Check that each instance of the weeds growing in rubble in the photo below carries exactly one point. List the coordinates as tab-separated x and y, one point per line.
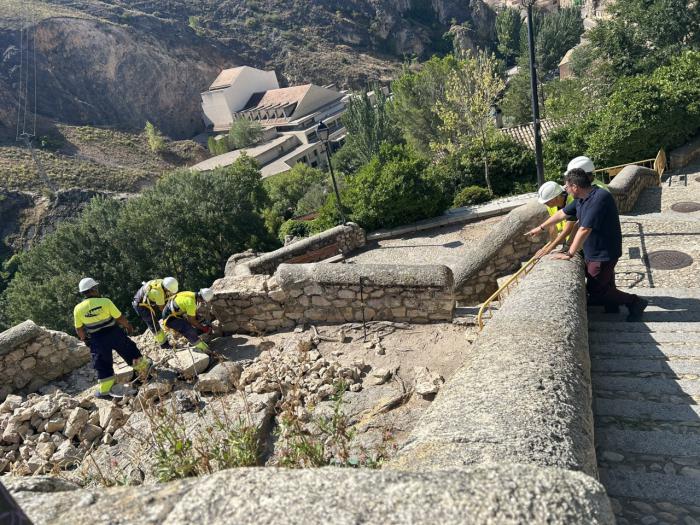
214	446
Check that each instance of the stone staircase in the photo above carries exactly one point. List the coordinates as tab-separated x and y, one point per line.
646	387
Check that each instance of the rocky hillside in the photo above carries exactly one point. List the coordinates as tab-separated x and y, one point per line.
120	62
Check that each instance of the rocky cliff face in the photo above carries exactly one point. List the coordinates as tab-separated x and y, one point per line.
103	63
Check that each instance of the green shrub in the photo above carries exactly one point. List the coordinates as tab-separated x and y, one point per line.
156	142
471	195
244	133
295	229
394	188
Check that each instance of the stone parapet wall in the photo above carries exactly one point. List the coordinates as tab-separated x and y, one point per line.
503	495
339	240
500	253
31	356
681	157
629	183
334	293
524	395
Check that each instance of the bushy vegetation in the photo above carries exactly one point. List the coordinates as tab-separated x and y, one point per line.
394	188
186	226
471	195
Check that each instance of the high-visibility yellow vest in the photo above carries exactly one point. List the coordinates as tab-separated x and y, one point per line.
95	313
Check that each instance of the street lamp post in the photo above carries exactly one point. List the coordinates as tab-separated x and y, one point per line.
323	134
533	92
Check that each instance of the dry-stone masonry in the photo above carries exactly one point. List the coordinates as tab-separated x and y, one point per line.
31	356
298	293
339	240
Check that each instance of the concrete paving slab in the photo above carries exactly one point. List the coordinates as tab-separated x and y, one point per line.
646	410
647	385
652	443
651	487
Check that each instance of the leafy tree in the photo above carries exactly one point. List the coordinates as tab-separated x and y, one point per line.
508	26
641	35
416	97
517	102
368	124
244	133
186	226
394	188
557	32
512	168
156	142
287	190
471	94
567	98
471	195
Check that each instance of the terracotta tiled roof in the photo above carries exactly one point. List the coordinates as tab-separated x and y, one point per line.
525	134
277	97
226	78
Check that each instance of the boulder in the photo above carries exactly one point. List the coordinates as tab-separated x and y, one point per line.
222	378
189	362
108	414
380	375
90	433
76	421
66	454
55	424
427	383
153	389
10	404
45	450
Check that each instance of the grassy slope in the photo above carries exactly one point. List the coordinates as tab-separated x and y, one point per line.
94	158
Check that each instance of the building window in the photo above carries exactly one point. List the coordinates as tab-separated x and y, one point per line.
314	164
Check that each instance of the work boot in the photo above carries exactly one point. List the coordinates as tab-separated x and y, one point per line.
637	309
612	308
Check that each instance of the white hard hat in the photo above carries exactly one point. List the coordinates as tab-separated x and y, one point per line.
207	294
170	284
548	191
581	162
88	283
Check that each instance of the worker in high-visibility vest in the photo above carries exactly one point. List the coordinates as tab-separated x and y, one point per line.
151	296
180	315
96	319
554	197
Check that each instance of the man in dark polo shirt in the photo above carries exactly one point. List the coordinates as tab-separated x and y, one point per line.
600	236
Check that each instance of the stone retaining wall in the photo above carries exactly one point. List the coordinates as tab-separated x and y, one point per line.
501	252
298	293
629	183
31	356
341	239
681	157
524	395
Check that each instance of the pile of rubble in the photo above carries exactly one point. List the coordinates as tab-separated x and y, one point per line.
41	433
297	366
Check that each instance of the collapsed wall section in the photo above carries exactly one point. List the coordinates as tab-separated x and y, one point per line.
31	356
334	293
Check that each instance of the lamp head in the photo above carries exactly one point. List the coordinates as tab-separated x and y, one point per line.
323	132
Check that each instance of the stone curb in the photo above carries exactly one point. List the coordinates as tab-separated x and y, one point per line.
17	335
454	216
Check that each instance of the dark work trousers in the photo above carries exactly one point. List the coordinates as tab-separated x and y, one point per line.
146	316
183	328
101	345
600	284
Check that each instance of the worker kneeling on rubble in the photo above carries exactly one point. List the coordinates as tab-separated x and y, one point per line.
96	319
180	315
154	294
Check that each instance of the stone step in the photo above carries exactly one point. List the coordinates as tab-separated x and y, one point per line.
644	486
643	327
650	315
646	410
637	366
654	443
647	385
638	337
644	350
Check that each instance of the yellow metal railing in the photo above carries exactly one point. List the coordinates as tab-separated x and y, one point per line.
486	310
658	164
